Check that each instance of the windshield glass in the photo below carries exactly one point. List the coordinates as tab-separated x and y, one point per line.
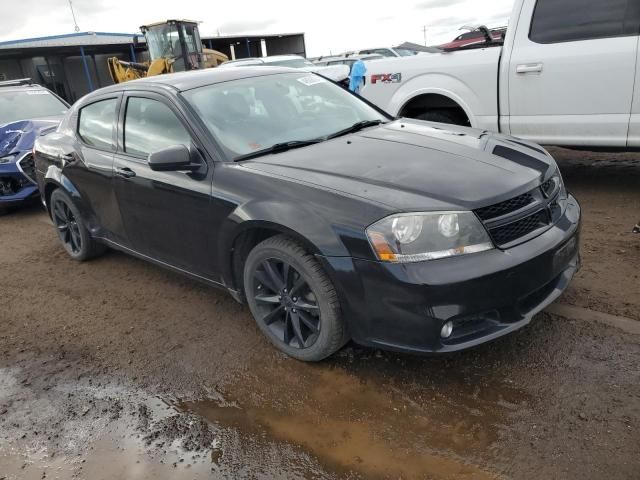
292	62
252	114
28	104
163	41
403	52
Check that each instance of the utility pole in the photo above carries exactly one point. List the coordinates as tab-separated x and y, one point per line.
424	31
73	14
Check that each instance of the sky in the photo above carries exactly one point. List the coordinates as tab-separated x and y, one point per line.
331	26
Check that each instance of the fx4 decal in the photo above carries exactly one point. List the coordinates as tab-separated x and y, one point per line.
386	78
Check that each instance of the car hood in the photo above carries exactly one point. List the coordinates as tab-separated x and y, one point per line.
16	137
410	165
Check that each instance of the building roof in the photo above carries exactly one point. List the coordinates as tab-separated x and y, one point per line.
72	40
251	36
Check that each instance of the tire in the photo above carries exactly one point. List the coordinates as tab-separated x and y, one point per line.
71	228
311	299
439	116
3	211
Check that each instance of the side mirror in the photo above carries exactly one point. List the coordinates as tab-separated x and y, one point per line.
136	40
173	158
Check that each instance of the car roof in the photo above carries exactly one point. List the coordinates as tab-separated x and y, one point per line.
7	87
277	58
199	78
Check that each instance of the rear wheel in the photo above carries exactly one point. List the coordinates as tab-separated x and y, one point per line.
292	300
3	210
71	228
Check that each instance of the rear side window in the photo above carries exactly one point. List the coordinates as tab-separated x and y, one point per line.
95	125
150	126
557	21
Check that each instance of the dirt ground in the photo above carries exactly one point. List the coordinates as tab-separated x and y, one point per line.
116	369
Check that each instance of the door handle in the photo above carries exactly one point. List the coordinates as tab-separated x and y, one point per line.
125	172
529	68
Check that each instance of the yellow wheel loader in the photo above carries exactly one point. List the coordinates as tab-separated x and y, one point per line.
174	46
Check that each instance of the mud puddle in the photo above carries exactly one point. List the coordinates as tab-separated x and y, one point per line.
360	427
66	426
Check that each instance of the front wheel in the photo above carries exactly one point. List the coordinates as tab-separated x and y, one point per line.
293	301
71	228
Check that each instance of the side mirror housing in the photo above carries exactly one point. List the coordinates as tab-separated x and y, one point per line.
173	158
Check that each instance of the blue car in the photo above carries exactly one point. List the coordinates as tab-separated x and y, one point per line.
27	110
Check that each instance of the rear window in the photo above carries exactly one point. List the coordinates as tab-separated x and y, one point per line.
572	20
28	104
95	125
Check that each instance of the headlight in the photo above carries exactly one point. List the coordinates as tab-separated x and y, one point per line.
414	237
8	158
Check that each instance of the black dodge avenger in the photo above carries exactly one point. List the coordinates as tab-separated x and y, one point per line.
332	220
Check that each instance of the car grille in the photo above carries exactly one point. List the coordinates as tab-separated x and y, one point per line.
515	230
28	167
505	207
519	218
9	186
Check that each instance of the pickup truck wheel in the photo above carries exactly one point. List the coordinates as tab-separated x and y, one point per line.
71	228
293	300
3	211
439	116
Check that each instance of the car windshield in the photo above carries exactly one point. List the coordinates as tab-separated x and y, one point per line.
403	52
256	113
28	104
292	62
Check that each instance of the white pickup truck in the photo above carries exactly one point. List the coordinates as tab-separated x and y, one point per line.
567	74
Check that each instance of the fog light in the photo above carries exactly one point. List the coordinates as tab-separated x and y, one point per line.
447	330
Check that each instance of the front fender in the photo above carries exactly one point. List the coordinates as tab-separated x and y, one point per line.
295	220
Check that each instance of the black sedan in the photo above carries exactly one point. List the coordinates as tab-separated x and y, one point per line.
332	220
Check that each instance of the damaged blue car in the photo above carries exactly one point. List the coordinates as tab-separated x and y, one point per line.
27	111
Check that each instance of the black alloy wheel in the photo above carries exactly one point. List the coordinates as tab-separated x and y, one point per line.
71	228
67	226
287	305
292	300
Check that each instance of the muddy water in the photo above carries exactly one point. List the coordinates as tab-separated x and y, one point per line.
358	425
282	420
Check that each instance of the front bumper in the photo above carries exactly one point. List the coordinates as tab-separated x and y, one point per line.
15	186
486	295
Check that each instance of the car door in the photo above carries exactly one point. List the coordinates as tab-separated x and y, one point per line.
89	164
571	72
166	214
634	124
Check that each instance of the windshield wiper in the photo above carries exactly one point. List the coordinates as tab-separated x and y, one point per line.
278	148
356	127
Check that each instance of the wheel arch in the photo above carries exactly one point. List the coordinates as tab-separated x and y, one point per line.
55	179
426	102
250	225
439	86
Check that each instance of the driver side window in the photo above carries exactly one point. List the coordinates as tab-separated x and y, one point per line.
150	126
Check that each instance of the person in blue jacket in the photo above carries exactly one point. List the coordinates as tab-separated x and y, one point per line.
358	71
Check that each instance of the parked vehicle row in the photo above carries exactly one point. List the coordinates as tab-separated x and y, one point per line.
566	75
330	218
